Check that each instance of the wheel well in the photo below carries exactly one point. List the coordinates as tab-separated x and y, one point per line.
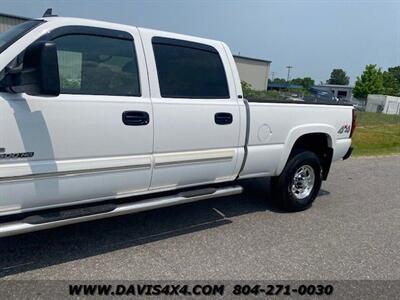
320	144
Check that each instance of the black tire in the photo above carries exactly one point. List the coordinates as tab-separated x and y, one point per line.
287	189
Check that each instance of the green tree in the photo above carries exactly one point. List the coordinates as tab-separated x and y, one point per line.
338	76
298	81
370	82
306	82
390	84
279	80
247	89
391	81
395	71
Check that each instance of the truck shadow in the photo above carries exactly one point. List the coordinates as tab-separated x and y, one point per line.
52	247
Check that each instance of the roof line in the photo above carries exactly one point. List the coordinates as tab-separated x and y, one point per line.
14	16
251	58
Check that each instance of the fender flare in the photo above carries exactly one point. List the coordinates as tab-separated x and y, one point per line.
300	131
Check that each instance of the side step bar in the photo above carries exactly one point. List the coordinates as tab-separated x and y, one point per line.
72	216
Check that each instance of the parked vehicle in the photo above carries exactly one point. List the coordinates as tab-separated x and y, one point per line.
93	112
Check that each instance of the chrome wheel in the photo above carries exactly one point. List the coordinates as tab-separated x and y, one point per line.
303	182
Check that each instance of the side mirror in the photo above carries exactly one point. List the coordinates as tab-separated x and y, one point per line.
39	73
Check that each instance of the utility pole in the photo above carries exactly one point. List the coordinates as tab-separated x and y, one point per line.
272	76
288	72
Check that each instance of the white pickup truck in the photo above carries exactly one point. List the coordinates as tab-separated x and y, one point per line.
92	113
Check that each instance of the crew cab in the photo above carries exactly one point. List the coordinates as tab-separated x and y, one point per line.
100	119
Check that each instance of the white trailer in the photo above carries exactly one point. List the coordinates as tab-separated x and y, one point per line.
383	104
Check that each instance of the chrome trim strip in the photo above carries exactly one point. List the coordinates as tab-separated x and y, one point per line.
193	157
193	161
50	175
160	160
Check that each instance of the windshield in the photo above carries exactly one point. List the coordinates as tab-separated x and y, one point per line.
9	37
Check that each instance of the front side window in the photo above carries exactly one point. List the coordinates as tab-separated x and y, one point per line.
97	65
189	70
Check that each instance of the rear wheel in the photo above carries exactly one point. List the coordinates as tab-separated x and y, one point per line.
299	183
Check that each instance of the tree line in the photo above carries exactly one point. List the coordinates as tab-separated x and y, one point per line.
338	76
372	81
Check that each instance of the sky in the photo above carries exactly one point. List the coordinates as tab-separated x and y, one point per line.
313	36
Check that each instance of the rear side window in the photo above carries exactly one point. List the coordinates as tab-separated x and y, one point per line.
97	65
189	70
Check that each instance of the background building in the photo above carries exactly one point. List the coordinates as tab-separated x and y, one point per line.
254	71
7	21
343	92
283	86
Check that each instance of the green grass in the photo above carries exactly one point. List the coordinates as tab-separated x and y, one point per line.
376	134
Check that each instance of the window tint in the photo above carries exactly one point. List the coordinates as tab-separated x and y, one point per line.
189	70
96	65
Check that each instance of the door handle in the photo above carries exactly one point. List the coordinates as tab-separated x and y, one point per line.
223	118
135	118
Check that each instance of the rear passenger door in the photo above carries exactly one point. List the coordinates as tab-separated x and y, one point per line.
196	113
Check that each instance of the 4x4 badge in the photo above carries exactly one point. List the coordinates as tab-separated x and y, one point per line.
344	128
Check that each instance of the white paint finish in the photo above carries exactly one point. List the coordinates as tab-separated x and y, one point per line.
76	133
288	122
170	159
239	158
243	124
67	134
189	125
341	148
73	126
184	174
285	118
238	89
262	160
235	73
20	169
173	170
193	128
264	133
25	196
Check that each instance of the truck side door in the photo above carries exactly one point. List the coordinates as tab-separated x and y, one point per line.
95	140
196	113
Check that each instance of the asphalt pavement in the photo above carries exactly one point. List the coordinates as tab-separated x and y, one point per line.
351	232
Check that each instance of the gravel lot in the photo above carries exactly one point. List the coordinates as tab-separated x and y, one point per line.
351	232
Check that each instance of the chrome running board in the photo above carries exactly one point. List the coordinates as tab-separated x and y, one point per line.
72	216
